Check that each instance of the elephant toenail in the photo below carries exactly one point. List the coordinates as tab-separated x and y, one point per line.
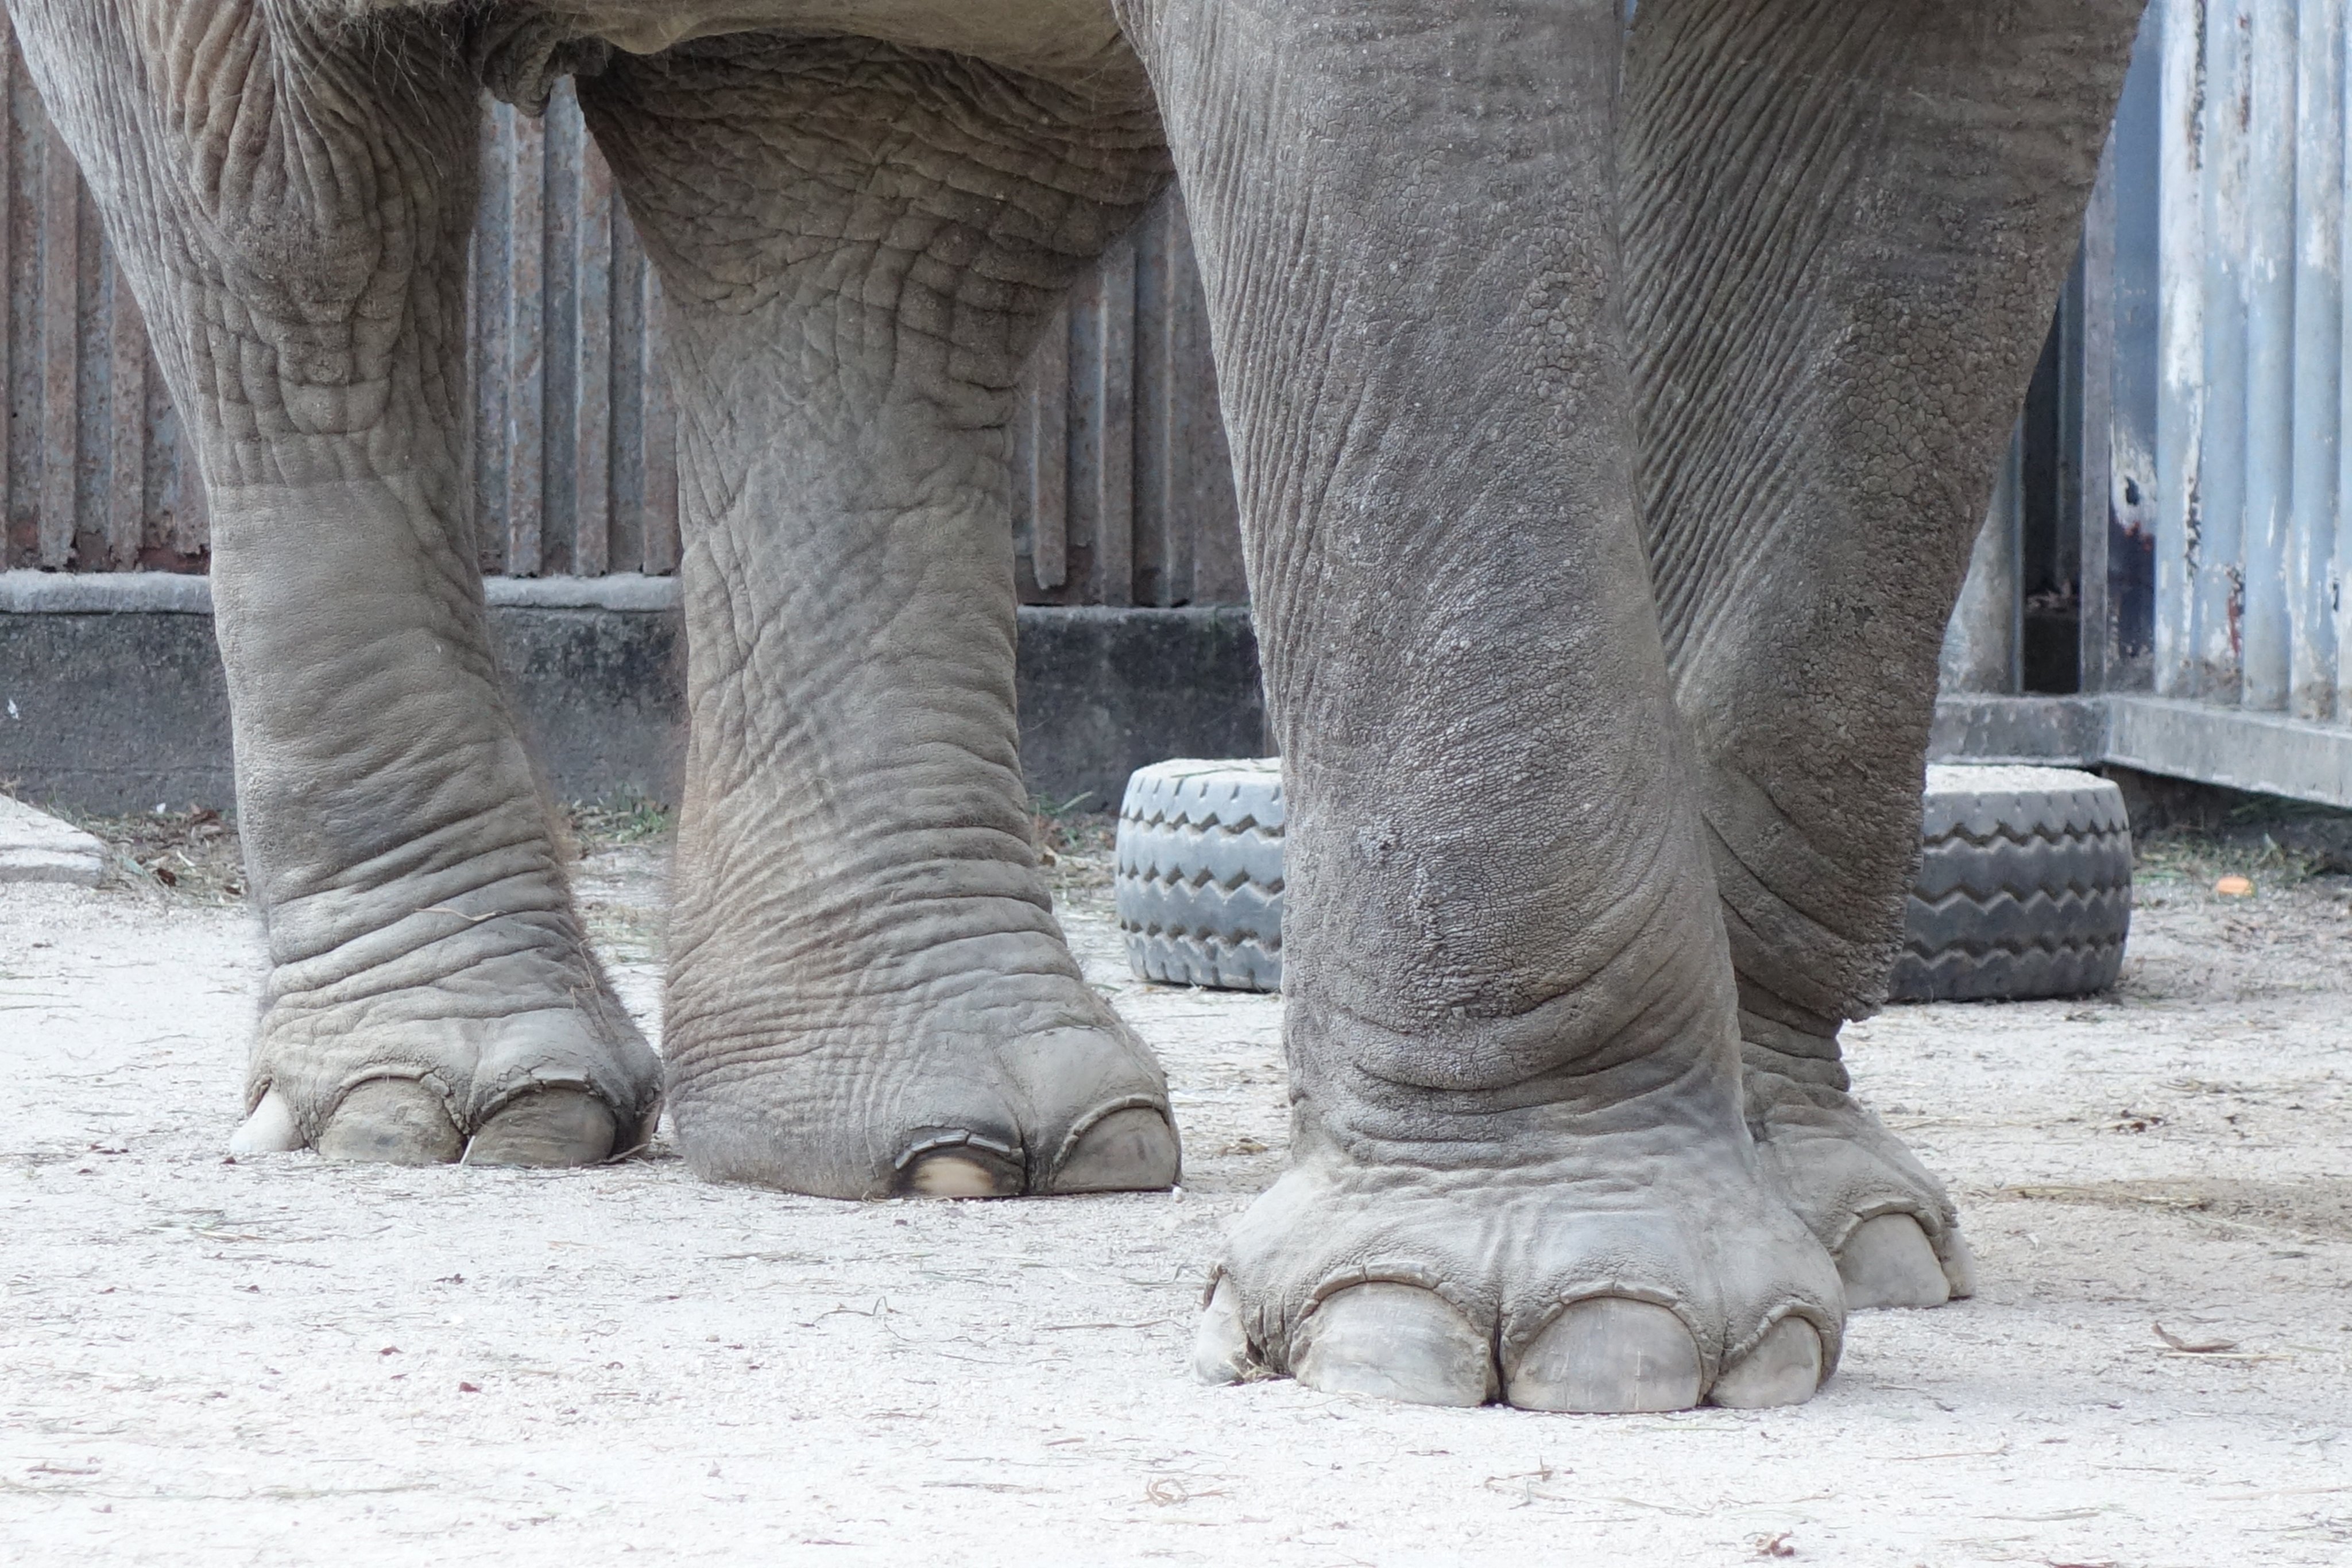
1960	1265
1393	1341
546	1128
270	1129
391	1121
1888	1262
959	1164
1784	1368
1221	1352
1609	1355
1132	1149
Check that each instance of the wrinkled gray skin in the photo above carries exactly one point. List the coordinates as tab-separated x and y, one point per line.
1611	415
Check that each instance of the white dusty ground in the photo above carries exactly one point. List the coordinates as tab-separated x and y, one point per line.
277	1361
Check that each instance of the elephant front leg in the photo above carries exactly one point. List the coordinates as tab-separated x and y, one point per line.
1829	361
290	206
868	994
1521	1169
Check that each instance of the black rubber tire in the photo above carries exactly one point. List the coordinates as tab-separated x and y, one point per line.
2023	889
1199	885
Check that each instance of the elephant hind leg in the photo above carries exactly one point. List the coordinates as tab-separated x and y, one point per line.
867	991
1830	356
291	206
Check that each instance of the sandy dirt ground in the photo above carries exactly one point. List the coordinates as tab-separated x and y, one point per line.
277	1361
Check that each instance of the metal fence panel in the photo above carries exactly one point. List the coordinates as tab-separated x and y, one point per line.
2251	468
575	439
92	477
1122	493
2180	405
2210	323
1123	490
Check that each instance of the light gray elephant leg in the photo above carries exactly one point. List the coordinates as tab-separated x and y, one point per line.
1846	226
1520	1168
869	993
290	204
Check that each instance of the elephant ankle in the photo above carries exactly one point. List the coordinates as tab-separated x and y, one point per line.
1784	1042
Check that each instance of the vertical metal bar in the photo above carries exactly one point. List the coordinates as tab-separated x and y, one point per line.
2134	168
526	329
626	524
1049	455
2009	515
1212	520
2064	563
61	346
2319	333
1113	375
2269	275
1179	307
1191	388
91	433
2094	381
1155	514
1085	476
2180	345
661	527
2340	579
2221	463
593	408
191	518
560	136
488	278
12	72
1984	641
126	446
1021	462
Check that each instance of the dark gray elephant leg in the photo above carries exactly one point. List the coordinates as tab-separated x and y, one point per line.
867	991
1846	225
290	204
1521	1169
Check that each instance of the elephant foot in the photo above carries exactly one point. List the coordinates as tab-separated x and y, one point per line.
1619	1275
383	1080
1022	1092
1889	1223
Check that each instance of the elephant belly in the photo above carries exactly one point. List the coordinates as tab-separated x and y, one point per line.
1044	37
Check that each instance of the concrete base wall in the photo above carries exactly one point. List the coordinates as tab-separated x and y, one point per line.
2206	743
112	700
113	713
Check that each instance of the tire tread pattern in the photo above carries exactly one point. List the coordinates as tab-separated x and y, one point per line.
2023	889
1199	880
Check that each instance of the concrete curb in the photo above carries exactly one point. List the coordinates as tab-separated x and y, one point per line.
111	697
26	593
36	847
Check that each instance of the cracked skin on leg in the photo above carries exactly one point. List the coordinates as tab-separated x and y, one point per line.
1519	1166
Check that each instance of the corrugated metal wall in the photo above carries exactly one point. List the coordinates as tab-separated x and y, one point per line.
575	441
1123	493
1122	488
92	478
2252	470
